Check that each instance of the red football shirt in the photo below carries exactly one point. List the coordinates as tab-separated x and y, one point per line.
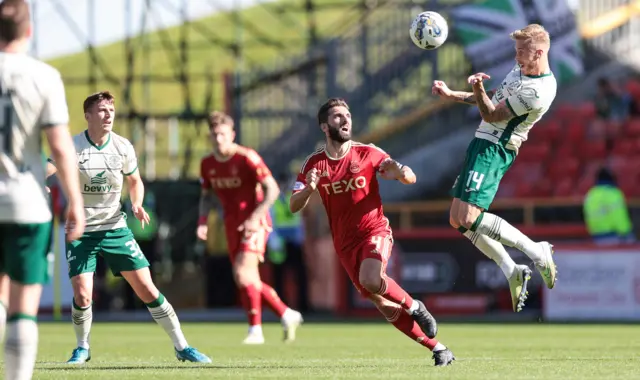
236	182
349	190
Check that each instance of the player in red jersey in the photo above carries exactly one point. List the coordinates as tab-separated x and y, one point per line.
246	189
344	172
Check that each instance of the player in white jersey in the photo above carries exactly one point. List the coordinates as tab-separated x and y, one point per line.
519	102
105	159
32	99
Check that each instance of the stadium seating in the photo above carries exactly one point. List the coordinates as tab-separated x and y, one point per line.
568	147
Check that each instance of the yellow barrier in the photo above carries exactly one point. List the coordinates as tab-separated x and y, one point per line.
609	20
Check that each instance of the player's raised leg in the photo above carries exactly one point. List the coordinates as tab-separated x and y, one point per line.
163	313
500	230
517	275
373	279
397	316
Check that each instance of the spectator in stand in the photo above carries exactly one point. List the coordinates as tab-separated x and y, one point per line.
605	212
612	103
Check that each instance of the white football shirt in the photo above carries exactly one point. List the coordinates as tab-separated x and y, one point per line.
32	98
102	172
528	97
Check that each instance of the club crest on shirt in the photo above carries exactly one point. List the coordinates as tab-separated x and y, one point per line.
114	162
354	167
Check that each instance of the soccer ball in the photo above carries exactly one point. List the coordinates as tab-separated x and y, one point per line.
429	30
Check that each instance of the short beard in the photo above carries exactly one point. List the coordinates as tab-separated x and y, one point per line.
334	134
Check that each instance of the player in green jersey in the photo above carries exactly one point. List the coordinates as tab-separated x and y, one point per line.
32	100
105	159
518	103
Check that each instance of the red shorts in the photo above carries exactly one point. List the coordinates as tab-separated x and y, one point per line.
256	244
377	247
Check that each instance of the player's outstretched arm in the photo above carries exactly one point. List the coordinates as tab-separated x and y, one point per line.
440	88
64	153
303	191
392	169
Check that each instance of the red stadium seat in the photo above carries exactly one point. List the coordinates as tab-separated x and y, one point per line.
591	150
564	188
592	167
587	110
524	190
564	112
624	147
576	131
564	150
563	169
544	188
584	185
632	129
547	132
534	152
633	88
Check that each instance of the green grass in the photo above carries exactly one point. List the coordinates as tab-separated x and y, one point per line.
347	351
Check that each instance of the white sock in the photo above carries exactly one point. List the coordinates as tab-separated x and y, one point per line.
163	313
20	349
255	329
493	250
82	319
414	306
498	229
3	320
439	347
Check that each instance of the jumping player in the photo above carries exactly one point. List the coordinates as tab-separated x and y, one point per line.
344	172
32	100
245	187
519	102
105	160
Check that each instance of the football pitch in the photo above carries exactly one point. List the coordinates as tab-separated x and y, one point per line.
347	351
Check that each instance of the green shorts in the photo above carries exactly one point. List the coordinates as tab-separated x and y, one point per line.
484	166
23	252
118	247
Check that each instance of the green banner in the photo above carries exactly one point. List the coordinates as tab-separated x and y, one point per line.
484	28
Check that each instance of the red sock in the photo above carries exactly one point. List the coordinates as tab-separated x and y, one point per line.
251	303
270	297
390	290
403	322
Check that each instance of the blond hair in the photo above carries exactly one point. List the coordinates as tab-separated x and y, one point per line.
534	33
